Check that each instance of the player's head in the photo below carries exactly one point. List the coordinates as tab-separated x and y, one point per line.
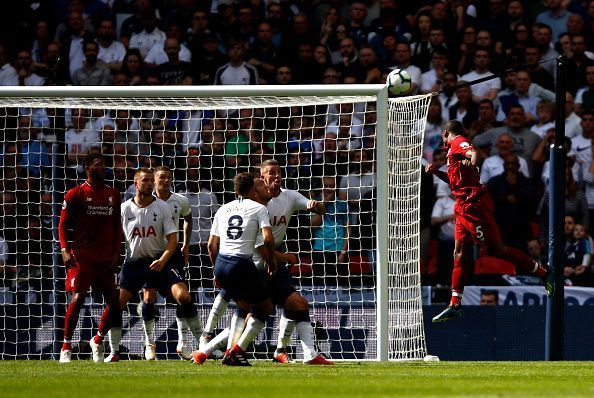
270	171
144	181
163	178
94	165
452	129
243	185
262	193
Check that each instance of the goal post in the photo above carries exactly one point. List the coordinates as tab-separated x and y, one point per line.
367	307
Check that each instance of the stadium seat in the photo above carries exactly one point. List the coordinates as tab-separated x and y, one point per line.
303	268
359	265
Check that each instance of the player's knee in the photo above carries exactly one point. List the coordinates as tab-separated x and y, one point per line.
297	316
78	300
295	302
149	296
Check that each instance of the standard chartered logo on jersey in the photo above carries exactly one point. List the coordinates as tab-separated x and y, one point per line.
99	210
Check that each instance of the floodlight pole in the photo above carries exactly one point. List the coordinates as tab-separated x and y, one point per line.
555	318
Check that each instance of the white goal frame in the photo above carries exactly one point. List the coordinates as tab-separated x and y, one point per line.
160	96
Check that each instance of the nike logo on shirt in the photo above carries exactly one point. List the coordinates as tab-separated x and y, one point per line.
579	149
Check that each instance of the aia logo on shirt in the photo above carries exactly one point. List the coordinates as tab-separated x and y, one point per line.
278	220
143	232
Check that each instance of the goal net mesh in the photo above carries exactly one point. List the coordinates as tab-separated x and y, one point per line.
327	149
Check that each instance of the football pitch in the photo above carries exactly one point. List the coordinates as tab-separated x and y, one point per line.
46	379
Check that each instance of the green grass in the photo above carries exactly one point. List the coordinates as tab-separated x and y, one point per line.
164	379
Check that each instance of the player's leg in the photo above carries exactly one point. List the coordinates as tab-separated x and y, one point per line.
286	326
115	332
149	297
78	282
217	311
104	282
186	311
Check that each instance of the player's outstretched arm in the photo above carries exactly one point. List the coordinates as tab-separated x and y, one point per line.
316	207
442	175
269	252
187	234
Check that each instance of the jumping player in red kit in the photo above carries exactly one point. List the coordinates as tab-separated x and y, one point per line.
90	233
474	218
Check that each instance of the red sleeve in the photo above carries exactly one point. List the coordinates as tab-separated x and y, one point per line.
68	206
461	145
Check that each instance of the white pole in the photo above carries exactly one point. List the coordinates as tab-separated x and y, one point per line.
382	226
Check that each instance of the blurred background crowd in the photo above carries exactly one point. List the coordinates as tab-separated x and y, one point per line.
327	152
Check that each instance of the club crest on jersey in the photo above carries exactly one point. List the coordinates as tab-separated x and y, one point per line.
143	232
154	216
464	145
175	209
64	205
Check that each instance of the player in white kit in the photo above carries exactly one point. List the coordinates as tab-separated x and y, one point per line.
281	207
238	228
151	240
186	316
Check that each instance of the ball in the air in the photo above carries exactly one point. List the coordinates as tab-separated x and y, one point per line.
399	81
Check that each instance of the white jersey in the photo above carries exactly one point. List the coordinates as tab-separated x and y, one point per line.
280	210
238	225
146	228
179	206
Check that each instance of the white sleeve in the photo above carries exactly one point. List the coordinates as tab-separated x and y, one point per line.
169	226
263	217
185	207
215	226
299	201
259	240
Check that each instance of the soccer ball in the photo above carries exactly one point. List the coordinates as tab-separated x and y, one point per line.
399	81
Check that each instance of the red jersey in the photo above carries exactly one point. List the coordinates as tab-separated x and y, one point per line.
93	215
464	180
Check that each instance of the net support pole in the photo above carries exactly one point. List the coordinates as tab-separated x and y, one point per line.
555	322
382	226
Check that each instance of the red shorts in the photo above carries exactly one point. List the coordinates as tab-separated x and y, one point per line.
85	274
475	221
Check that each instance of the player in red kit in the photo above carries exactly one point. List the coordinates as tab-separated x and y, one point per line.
474	218
90	234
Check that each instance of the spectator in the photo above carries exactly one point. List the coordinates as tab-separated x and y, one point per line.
489	298
495	165
587	166
421	46
25	75
284	75
174	71
576	204
33	153
306	70
466	50
321	55
206	62
245	27
198	31
263	54
402	60
535	251
515	51
133	67
236	71
526	94
357	29
516	17
433	129
487	89
525	141
40	44
584	98
360	181
349	64
94	72
71	41
330	240
203	204
542	35
447	95
328	30
158	54
545	112
573	126
555	17
578	258
577	64
8	74
133	24
465	109
487	114
538	74
442	217
513	200
432	80
149	35
111	52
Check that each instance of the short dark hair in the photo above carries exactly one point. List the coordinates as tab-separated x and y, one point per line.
243	183
269	162
161	168
455	127
90	158
89	41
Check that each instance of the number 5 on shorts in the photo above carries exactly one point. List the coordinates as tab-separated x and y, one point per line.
479	232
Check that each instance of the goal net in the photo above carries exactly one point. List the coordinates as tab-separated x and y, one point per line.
346	145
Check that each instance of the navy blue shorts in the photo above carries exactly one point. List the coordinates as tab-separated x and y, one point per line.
136	274
240	280
280	285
